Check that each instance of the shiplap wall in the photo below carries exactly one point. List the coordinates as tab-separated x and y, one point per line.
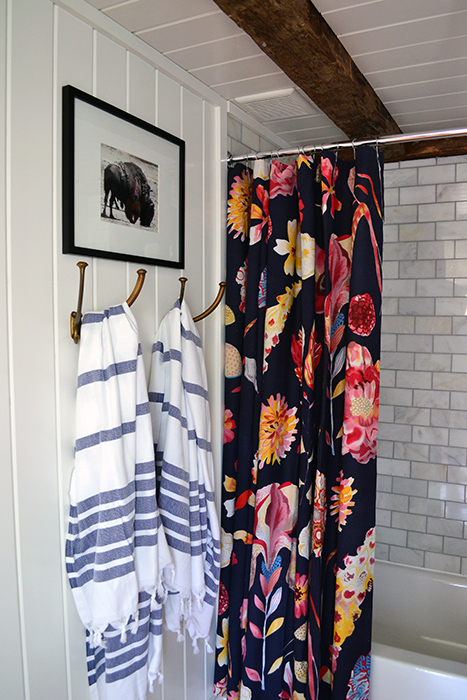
45	45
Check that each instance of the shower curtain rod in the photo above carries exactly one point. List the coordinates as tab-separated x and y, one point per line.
378	141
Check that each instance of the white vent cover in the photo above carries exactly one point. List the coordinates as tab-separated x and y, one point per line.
279	104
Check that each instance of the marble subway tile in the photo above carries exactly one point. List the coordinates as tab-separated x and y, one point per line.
429	543
389	535
412	452
394	467
435	288
450	230
455	546
412	415
459	400
426	506
436	174
441	211
449	381
457	475
406	214
450	268
413	380
450	192
423	194
456	456
456	511
431	399
417	232
403	555
427	470
459	326
395	431
434	250
442	562
401	178
430	436
410	521
390	501
398	324
416	307
458	438
433	362
438	325
397	397
441	526
383	517
446	492
450	419
410	487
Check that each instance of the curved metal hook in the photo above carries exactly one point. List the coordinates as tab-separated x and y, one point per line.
138	287
215	303
76	316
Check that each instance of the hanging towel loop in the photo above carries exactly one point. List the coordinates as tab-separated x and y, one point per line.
210	309
76	316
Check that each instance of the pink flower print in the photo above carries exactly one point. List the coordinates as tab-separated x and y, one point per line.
361	407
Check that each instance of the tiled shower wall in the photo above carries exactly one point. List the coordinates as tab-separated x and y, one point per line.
422	464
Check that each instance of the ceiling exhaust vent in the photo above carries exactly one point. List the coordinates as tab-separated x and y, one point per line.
279	104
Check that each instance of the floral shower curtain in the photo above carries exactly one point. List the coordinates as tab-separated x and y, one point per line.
301	416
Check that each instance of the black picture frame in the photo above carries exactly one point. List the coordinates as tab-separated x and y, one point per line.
123	182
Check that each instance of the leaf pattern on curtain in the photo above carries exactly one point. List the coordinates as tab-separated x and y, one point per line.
302	366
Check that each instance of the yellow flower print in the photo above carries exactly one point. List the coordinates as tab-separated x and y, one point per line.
226	547
288	247
222	643
307	256
238	206
277	429
342	497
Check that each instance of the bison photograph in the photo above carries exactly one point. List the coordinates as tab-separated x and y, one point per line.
130	194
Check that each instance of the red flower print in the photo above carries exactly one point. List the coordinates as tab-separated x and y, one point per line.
283	179
362	317
229	426
329	176
223	598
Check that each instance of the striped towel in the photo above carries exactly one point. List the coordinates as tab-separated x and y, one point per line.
178	399
116	552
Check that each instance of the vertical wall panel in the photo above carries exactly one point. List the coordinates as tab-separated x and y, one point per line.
11	672
72	38
38	360
168	117
110	69
142	103
30	251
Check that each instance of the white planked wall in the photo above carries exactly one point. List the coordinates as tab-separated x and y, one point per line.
45	45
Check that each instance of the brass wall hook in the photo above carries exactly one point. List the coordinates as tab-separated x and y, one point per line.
210	309
76	316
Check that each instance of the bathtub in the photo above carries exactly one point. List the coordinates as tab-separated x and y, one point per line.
419	634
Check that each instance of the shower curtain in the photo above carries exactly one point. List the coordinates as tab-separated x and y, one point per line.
302	351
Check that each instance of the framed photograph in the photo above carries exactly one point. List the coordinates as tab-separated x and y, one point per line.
123	184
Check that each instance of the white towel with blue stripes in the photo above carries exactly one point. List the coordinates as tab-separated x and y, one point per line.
116	551
178	398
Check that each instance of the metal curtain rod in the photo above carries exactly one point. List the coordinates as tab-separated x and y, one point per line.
378	141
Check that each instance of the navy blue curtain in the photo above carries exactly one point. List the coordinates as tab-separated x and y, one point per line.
301	417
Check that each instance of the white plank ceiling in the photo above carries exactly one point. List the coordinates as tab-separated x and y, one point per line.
413	53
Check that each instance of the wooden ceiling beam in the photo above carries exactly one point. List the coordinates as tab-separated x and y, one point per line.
301	43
